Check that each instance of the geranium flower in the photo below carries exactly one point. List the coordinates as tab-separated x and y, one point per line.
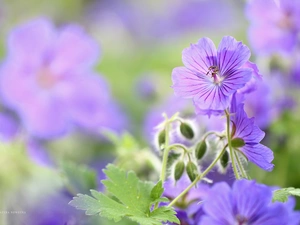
247	203
247	135
211	76
48	80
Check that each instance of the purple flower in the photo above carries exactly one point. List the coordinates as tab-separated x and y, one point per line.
211	76
246	129
278	24
47	79
246	203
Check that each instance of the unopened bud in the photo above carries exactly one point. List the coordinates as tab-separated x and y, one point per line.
224	160
186	130
179	169
237	142
192	171
161	138
201	149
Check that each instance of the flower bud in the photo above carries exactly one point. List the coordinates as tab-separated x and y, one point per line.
237	142
201	149
179	169
186	130
224	160
192	171
161	138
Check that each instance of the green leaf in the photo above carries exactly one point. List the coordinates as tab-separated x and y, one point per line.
282	195
157	191
132	198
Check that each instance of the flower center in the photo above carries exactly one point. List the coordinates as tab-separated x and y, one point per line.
286	22
241	220
45	78
214	72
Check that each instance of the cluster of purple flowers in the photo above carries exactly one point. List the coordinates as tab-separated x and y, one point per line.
48	86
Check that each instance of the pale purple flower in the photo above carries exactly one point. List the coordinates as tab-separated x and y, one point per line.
274	26
246	203
211	75
48	80
246	129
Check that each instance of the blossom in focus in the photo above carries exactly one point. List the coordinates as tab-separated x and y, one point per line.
47	78
274	26
211	75
247	202
248	134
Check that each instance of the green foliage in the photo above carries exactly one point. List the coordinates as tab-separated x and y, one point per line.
78	178
132	198
282	195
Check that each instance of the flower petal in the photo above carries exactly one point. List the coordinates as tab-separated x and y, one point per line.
28	42
187	83
231	55
74	50
245	203
219	204
260	155
199	57
235	80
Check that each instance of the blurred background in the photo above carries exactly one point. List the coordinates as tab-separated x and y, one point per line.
51	152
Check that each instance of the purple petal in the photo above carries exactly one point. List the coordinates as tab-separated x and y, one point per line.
28	42
45	118
270	216
73	50
235	80
212	97
246	204
199	57
186	83
218	205
256	77
260	155
231	55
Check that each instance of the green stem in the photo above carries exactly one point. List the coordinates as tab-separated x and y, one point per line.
198	178
237	176
240	166
166	153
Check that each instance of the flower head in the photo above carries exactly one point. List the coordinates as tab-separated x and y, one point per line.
211	75
277	22
247	203
249	135
48	80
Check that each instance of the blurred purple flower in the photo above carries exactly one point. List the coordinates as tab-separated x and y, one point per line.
246	203
211	76
47	79
9	127
278	24
245	129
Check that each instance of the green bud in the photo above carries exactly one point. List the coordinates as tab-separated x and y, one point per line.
192	171
237	142
161	138
179	169
201	149
186	130
224	160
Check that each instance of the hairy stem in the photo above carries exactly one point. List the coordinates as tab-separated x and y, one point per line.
237	176
199	177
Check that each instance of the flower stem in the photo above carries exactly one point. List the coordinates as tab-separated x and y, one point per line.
237	176
198	178
240	166
166	153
